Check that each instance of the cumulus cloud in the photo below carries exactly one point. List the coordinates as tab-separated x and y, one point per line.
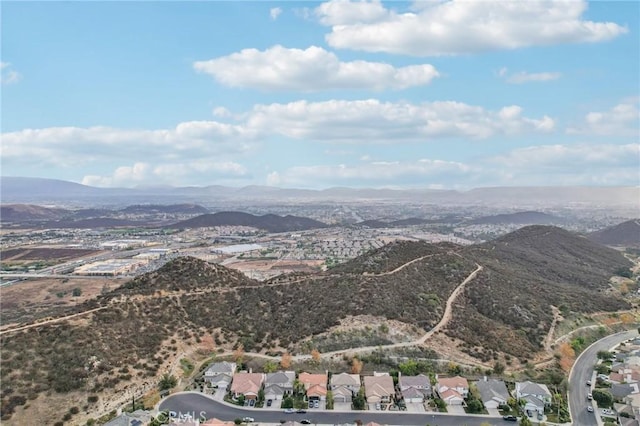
143	173
311	69
527	77
457	27
370	121
70	146
274	12
621	120
8	74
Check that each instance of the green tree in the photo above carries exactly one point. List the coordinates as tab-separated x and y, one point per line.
167	382
76	292
329	400
359	401
498	368
270	367
603	398
409	368
287	402
605	355
474	406
260	396
524	421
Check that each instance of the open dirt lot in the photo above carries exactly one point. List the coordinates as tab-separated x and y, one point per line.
32	299
44	253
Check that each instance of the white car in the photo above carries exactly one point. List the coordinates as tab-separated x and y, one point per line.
589	397
590	409
248	420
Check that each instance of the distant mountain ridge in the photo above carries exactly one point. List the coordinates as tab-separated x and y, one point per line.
623	234
39	190
268	222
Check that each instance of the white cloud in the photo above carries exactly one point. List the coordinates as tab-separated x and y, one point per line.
145	174
70	146
460	26
621	120
274	12
527	77
311	69
9	75
371	121
221	112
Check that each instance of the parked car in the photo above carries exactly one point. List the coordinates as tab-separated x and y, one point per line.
310	404
301	411
588	382
590	409
378	406
289	411
510	418
269	402
305	421
589	397
316	404
248	420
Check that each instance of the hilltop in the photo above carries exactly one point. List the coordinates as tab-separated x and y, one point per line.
28	212
505	310
268	222
623	234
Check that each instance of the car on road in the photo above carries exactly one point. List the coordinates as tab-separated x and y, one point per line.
510	418
589	397
301	411
588	382
248	420
305	421
289	411
590	409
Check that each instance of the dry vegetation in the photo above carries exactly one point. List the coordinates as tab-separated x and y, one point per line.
505	310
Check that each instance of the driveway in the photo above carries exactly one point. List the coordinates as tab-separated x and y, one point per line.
415	407
219	394
342	406
494	412
456	409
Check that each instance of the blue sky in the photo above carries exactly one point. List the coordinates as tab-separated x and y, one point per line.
439	94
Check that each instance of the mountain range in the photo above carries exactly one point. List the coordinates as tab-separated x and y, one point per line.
623	234
40	190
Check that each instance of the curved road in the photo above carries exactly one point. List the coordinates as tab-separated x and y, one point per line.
198	405
583	370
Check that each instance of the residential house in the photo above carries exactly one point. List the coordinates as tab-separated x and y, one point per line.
220	374
535	395
279	384
344	386
315	385
622	390
247	384
379	388
452	390
414	388
493	393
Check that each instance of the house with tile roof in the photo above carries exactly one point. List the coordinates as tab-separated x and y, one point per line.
379	388
414	388
247	384
315	385
493	393
452	390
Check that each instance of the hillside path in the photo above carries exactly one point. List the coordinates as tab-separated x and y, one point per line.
38	324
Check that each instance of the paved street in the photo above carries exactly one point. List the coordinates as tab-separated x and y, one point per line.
583	371
199	405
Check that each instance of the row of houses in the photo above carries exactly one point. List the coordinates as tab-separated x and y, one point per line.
624	379
378	388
